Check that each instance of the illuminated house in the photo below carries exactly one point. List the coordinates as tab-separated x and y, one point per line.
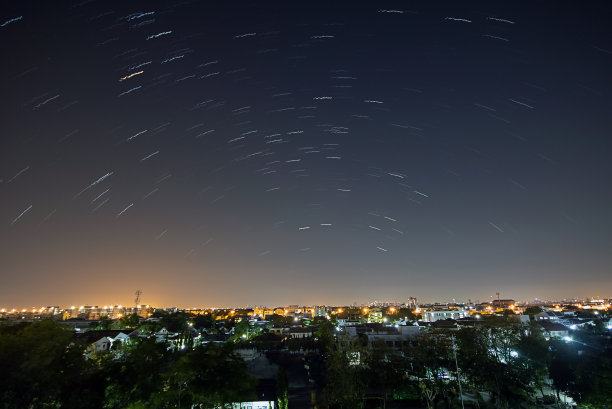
553	329
102	341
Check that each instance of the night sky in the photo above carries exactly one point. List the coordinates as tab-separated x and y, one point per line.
241	153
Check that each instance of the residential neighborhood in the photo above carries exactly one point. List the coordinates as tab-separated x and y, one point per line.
399	355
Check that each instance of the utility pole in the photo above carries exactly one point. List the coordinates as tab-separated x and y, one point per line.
457	367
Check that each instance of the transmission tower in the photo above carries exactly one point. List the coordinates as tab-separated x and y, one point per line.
137	299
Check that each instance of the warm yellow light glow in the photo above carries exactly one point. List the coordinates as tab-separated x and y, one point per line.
339	309
365	310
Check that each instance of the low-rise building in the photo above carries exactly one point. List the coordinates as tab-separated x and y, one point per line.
553	329
297	332
549	315
436	315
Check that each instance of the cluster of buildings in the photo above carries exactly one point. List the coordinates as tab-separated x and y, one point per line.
397	322
84	312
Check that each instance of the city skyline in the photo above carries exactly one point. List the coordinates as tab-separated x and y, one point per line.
409	301
234	153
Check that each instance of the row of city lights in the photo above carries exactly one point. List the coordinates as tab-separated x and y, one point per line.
52	309
365	310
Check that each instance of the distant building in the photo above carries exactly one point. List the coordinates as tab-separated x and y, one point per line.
320	312
392	337
433	316
503	304
375	315
412	303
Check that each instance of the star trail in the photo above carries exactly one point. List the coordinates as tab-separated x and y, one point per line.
236	153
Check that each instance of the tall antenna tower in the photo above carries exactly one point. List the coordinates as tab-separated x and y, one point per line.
137	299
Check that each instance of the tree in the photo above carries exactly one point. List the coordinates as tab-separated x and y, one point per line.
137	377
406	313
129	321
385	369
104	323
208	377
532	311
175	322
533	349
39	364
585	376
326	335
344	380
432	364
563	359
282	389
205	321
488	357
241	330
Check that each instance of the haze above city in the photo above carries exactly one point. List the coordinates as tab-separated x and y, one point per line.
236	153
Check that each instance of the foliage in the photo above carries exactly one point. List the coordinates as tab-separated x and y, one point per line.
208	377
38	364
241	330
204	321
325	335
405	313
344	375
584	372
386	368
104	323
136	378
488	357
433	365
532	311
129	321
175	322
282	389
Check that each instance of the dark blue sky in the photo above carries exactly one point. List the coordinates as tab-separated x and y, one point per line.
263	153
